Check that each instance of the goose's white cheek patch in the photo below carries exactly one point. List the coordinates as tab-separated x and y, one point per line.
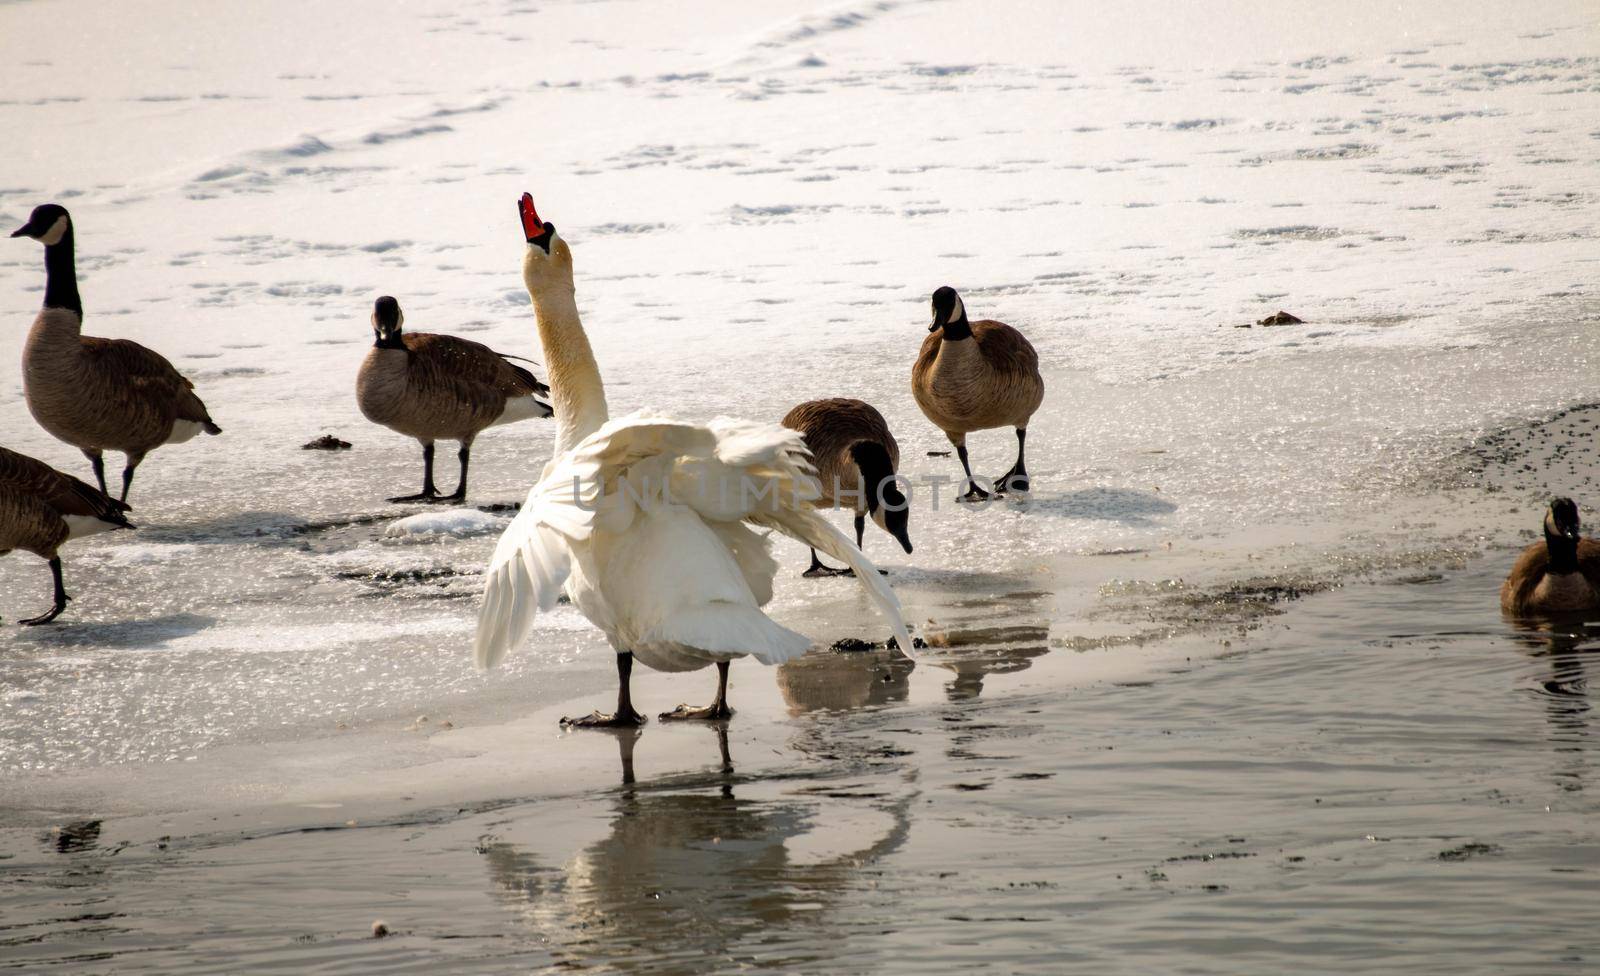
57	231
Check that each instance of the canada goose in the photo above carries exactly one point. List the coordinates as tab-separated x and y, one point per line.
40	508
973	376
1560	574
856	458
642	521
98	394
438	387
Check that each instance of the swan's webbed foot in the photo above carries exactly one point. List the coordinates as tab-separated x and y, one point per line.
715	712
629	719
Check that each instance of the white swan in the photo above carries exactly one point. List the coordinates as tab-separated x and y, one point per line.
645	521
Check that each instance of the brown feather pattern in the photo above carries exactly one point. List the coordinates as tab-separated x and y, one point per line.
440	387
103	394
1520	591
34	500
830	428
990	380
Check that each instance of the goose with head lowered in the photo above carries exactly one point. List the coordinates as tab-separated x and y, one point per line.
1561	574
975	376
438	387
98	394
647	523
856	457
41	508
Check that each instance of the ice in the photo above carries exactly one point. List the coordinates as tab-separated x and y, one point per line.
457	522
760	199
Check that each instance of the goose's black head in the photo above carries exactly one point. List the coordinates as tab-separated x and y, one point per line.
386	322
48	224
894	516
886	503
949	314
1562	520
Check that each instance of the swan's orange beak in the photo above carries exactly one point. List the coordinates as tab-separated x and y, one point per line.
535	230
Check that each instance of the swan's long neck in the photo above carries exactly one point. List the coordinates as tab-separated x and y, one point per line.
578	395
61	275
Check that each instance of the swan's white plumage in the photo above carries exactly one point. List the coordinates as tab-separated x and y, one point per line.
644	525
645	522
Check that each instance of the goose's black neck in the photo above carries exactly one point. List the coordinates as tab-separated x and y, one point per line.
873	461
61	275
391	340
958	329
1563	553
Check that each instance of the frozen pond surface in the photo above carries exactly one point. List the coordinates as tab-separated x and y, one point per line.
760	200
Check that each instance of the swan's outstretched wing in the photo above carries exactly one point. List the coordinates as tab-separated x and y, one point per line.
762	474
727	471
533	559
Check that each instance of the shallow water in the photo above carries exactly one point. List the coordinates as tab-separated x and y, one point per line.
1394	777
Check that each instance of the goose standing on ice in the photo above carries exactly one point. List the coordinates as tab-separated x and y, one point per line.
856	458
98	394
438	387
973	376
40	508
645	522
1560	574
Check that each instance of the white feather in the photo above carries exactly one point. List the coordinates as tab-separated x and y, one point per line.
656	510
82	525
183	430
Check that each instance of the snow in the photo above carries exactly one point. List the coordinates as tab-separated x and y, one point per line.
760	199
457	522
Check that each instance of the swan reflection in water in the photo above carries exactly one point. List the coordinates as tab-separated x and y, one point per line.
693	876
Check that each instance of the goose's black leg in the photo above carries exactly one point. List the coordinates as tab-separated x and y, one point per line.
974	493
429	492
624	717
98	461
61	598
127	472
715	712
818	570
464	455
1017	478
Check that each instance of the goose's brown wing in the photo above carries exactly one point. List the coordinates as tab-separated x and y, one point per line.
67	495
146	374
1005	349
1589	561
1524	577
473	363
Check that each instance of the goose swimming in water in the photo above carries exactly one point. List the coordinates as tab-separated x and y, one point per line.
98	394
856	458
438	387
973	376
41	508
1560	574
645	522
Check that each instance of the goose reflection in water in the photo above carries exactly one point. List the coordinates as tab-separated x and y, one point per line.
974	653
837	681
693	877
1567	645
